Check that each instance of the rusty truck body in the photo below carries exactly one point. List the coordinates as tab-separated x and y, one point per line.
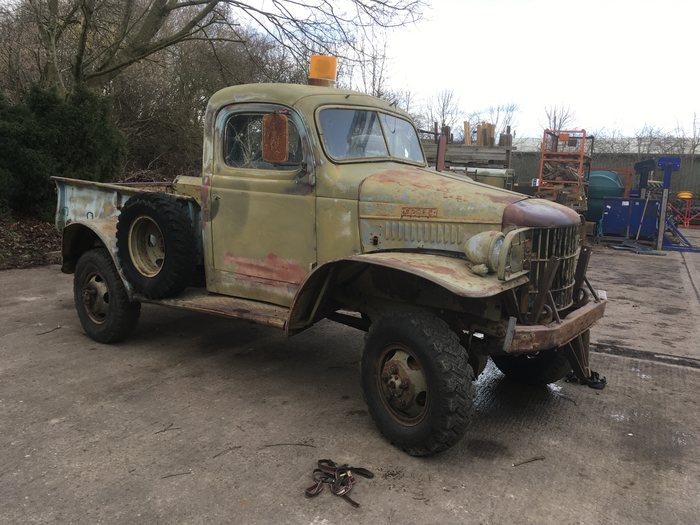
317	203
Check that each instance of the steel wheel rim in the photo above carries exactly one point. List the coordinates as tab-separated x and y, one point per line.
146	246
402	384
95	297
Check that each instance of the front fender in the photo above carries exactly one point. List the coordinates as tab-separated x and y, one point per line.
450	273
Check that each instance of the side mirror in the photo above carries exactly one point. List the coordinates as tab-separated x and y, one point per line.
275	138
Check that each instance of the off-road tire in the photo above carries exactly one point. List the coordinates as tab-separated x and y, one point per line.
121	315
172	218
545	367
448	376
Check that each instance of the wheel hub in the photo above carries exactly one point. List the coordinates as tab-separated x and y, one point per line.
95	296
146	246
403	385
397	384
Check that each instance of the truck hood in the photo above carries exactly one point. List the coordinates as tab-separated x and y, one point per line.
408	207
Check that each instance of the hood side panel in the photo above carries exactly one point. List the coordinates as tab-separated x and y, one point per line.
405	207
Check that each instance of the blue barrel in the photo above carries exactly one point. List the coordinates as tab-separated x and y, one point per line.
602	184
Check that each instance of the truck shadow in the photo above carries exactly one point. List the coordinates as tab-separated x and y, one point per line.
324	350
318	371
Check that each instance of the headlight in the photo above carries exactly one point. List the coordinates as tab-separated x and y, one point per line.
485	248
513	259
501	253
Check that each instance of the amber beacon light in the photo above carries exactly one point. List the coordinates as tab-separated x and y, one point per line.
322	71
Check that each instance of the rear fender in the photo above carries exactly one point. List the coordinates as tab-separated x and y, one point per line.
450	275
81	236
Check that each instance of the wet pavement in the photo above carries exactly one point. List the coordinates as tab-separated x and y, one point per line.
198	419
654	301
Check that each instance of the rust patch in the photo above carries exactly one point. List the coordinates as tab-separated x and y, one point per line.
450	273
272	268
423	267
199	300
415	178
544	337
275	138
206	204
408	212
206	189
539	213
451	196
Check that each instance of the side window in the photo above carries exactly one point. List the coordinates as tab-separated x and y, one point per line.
243	144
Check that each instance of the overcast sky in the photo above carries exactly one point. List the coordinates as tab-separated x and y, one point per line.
617	63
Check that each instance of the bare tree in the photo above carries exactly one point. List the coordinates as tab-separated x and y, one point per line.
91	41
443	108
160	102
406	100
559	117
649	140
372	68
502	116
611	141
694	142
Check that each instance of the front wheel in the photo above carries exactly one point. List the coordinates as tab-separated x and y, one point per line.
417	382
103	305
542	368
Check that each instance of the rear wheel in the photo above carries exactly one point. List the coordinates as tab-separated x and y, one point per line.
417	382
542	368
103	305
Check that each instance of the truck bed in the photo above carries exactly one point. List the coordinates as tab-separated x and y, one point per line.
200	300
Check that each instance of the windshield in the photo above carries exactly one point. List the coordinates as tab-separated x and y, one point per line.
352	134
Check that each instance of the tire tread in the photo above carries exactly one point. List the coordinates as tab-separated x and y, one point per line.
176	228
457	377
124	313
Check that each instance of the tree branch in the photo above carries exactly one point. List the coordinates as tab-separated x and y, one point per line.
87	8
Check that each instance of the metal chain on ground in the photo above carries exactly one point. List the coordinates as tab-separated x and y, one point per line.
339	478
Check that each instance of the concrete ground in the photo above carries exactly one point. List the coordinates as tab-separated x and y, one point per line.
198	419
655	300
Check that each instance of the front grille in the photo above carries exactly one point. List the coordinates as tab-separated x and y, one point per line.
562	243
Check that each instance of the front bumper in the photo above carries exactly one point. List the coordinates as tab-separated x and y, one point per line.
535	338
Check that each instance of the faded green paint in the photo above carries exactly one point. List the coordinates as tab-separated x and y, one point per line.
189	186
337	224
450	273
264	231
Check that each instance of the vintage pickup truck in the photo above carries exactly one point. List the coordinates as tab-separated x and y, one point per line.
316	203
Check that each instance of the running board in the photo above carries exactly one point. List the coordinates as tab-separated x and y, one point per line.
199	300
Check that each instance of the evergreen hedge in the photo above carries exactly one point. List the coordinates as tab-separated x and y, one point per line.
47	135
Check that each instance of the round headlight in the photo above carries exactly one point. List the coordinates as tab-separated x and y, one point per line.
495	251
484	248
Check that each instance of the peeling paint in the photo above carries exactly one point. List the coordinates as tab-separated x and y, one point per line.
271	267
449	272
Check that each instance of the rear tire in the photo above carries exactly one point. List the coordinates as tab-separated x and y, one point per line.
417	382
156	245
545	367
101	300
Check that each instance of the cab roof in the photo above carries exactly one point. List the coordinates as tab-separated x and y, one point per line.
292	94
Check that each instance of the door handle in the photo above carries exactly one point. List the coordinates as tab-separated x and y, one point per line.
217	197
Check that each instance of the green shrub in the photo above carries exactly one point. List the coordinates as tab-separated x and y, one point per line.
46	135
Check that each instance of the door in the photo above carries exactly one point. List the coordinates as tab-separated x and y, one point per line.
261	220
